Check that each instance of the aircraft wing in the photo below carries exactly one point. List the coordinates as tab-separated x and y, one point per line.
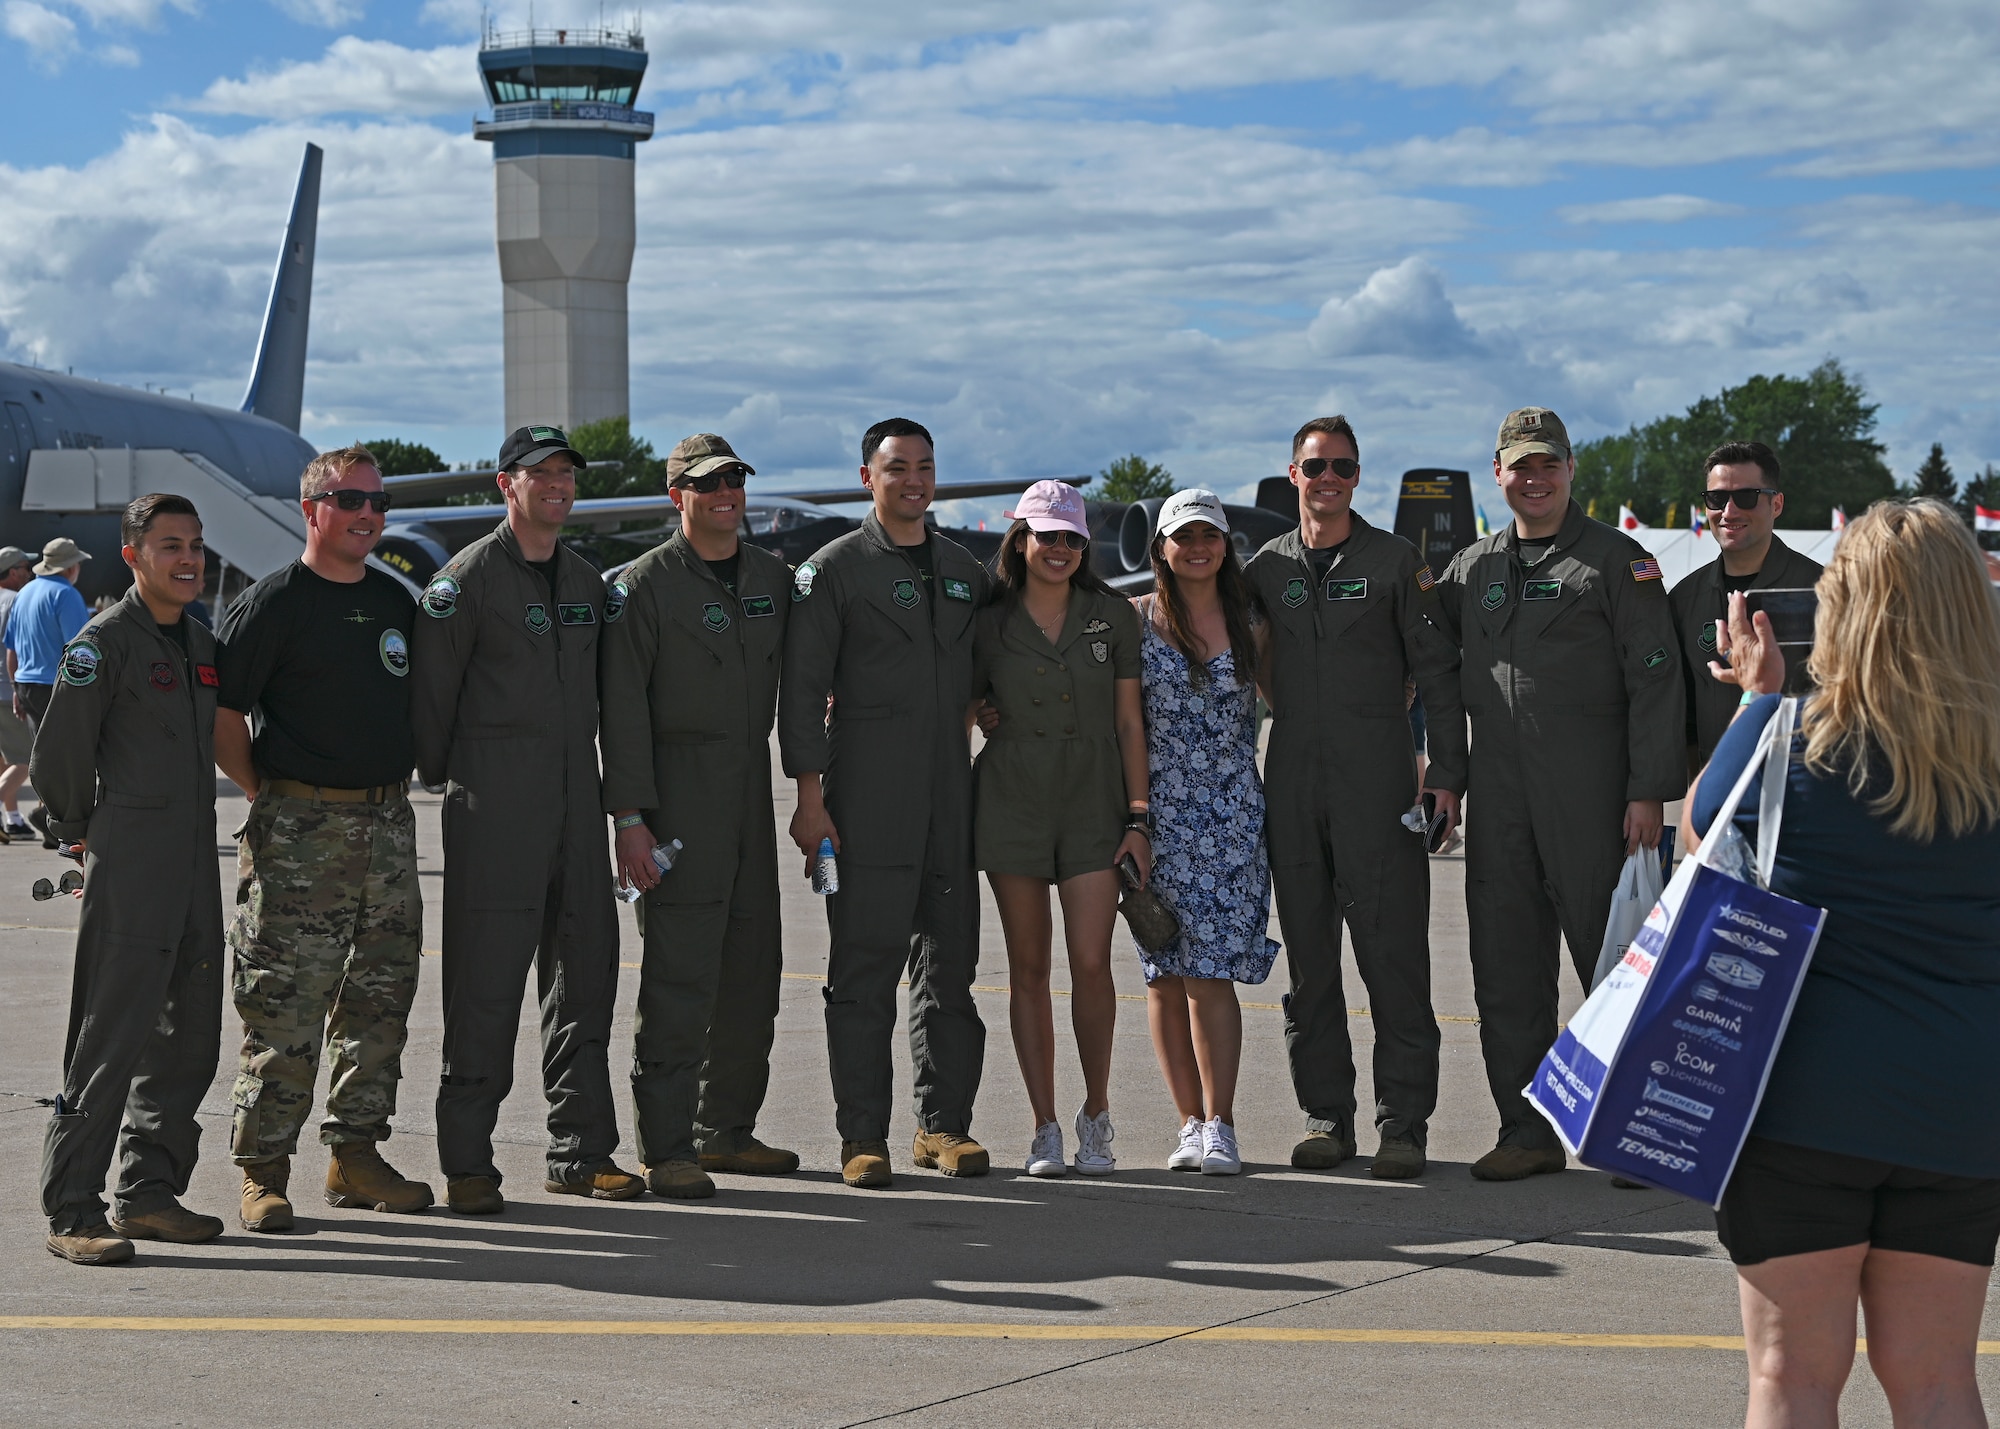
947	491
450	483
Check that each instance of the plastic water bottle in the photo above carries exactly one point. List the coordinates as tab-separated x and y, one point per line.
826	870
663	859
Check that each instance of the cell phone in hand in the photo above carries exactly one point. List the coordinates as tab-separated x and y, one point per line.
1792	610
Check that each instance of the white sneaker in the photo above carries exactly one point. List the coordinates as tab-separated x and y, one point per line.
1218	1149
1046	1157
1093	1144
1187	1156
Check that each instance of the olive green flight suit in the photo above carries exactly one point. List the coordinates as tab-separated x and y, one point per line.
1340	774
1568	674
896	770
690	679
125	761
503	702
1699	607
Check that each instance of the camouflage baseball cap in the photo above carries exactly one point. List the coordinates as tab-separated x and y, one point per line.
700	454
1530	429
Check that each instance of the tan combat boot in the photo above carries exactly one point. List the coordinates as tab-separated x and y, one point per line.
1322	1151
950	1153
679	1181
358	1177
172	1222
265	1208
605	1183
753	1158
865	1163
91	1245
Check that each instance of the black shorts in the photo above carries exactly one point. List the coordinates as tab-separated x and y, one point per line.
1792	1200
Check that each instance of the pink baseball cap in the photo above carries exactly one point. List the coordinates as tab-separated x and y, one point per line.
1052	506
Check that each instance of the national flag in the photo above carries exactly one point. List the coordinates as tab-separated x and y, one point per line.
1628	520
1479	516
1646	570
1839	518
1984	519
1697	520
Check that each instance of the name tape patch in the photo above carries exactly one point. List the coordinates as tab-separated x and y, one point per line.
755	606
577	614
1355	588
1542	590
957	589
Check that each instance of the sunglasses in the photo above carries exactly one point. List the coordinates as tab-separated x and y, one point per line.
1063	538
1344	467
347	500
715	480
1745	497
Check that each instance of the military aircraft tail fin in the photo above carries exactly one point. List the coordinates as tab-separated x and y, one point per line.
278	381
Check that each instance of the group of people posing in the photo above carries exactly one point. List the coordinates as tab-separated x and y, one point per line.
1116	733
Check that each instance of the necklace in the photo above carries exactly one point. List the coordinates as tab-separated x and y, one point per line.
1052	635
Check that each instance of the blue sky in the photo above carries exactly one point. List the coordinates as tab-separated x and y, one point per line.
1056	232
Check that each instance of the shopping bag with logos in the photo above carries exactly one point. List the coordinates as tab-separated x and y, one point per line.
1640	884
1658	1076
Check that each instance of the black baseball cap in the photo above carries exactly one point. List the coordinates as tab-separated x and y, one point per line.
527	445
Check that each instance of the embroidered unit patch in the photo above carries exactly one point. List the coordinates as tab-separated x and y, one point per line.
538	618
79	663
614	601
440	597
1496	595
714	616
904	592
1295	592
802	580
395	652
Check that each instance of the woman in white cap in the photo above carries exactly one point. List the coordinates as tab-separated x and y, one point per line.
1200	650
1059	798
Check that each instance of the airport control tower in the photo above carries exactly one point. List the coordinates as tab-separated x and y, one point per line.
562	131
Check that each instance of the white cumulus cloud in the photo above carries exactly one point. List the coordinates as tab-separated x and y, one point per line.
354	76
1659	208
50	36
329	14
1401	311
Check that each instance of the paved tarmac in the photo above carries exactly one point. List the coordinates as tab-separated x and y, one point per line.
1147	1298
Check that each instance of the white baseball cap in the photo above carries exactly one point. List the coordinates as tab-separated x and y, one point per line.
1194	504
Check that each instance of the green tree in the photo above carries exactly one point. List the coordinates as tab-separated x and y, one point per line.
400	458
1133	478
1934	477
637	471
1822	427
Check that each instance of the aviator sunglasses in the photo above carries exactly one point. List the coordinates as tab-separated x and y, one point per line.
350	500
1066	538
1344	467
1745	497
712	481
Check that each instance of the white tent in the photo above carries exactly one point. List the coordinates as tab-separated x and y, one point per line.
1679	552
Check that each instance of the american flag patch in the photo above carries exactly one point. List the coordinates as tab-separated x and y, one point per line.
1646	570
1424	579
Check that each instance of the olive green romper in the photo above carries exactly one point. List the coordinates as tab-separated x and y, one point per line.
1049	788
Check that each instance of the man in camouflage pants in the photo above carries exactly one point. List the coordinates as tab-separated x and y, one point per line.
329	921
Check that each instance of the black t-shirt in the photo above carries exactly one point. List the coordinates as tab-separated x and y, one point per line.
725	569
1322	558
1533	553
1735	583
325	666
548	570
925	559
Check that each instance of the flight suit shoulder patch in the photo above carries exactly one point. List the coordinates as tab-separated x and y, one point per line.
1296	593
714	616
758	606
1347	588
1425	580
614	601
395	652
537	617
1646	570
955	589
802	580
440	597
576	613
80	659
1545	589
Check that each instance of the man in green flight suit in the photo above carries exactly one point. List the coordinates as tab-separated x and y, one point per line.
1568	675
1745	498
124	763
1348	605
503	699
694	635
883	623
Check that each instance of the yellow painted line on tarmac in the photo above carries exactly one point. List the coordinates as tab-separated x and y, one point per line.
880	1329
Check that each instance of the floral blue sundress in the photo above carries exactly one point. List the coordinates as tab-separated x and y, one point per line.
1209	859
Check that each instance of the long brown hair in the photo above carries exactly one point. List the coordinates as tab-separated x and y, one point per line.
1232	588
1010	566
1906	654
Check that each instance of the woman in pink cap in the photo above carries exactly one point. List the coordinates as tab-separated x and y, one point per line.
1059	798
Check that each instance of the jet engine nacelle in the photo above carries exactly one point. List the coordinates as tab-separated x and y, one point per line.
413	551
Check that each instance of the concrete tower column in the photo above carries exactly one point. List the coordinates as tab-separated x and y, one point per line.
563	132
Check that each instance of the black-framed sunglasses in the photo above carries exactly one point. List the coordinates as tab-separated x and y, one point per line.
1066	538
712	481
349	500
1344	467
1745	497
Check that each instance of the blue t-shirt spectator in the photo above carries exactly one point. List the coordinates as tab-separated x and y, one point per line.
46	616
1893	1051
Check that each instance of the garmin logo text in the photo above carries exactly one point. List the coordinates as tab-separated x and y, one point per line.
1653	1153
1744	920
1703	1014
1657	1093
